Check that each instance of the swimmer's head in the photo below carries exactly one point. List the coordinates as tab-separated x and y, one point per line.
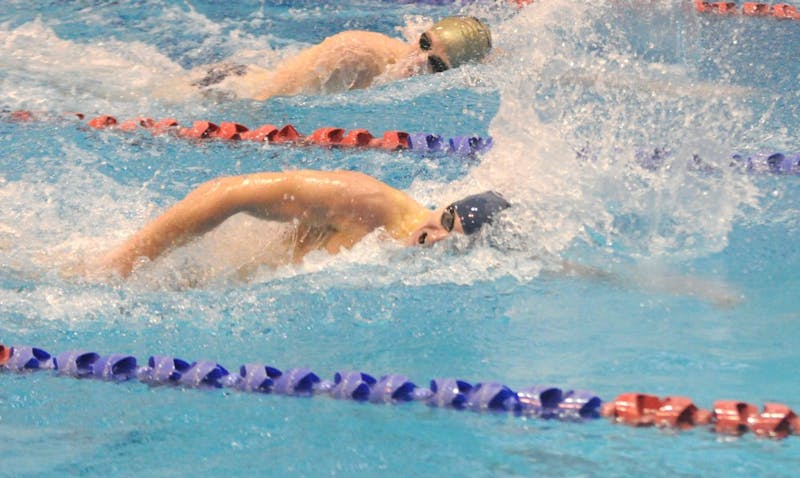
453	41
476	210
466	216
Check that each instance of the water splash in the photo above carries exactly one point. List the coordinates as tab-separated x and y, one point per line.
585	106
61	75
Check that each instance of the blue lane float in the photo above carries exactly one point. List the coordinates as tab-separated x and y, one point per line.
28	358
458	145
160	370
776	163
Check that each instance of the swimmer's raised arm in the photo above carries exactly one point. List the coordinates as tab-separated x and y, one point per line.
202	210
343	206
301	196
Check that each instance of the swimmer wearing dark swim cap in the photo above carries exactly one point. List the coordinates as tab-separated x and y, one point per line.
475	211
327	210
466	216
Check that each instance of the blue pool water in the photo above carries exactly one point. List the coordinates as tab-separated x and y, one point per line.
702	303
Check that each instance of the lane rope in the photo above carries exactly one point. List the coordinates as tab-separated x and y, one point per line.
326	137
749	9
424	143
728	417
756	163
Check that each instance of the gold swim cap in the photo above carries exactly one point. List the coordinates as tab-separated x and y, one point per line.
463	39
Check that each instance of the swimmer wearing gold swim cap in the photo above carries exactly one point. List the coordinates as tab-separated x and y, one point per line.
454	41
353	59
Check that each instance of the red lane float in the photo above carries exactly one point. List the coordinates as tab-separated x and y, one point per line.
325	137
329	137
287	134
102	122
782	10
751	9
357	138
681	413
5	353
715	7
393	140
729	417
262	133
637	409
776	421
21	116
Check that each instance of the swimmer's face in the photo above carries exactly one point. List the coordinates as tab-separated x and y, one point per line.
437	57
439	225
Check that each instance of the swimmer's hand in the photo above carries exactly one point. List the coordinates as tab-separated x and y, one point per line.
714	291
97	269
587	272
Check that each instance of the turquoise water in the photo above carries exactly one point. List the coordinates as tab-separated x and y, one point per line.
702	302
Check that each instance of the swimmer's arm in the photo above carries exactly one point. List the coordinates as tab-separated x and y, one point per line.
202	210
347	60
714	291
275	196
199	212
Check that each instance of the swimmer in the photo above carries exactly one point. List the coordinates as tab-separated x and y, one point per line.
331	211
349	60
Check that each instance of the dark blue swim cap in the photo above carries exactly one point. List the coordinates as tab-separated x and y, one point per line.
478	209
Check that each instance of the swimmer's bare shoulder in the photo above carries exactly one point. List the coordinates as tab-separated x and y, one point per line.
355	42
350	59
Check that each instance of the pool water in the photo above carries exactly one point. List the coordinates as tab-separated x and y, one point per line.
701	301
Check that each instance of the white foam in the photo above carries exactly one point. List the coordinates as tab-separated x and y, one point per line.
574	91
44	72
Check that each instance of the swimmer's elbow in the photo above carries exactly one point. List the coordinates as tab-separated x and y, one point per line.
217	187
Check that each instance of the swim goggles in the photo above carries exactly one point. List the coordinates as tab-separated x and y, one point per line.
448	219
436	62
